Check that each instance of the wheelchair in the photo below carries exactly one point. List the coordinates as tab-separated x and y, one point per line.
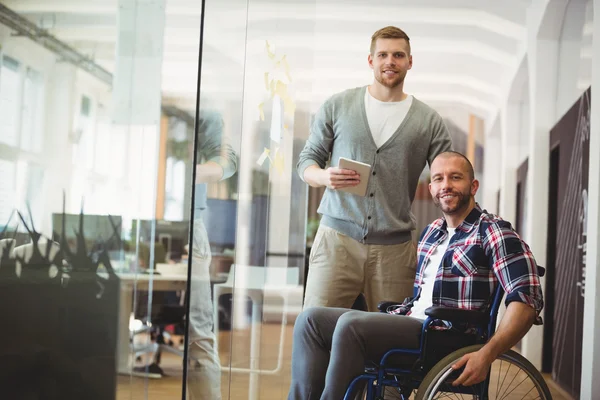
426	372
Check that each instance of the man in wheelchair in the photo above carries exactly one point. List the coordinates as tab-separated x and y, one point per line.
462	258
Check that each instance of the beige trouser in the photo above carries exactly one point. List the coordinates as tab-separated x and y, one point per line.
341	268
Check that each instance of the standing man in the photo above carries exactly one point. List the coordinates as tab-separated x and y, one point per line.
364	244
216	161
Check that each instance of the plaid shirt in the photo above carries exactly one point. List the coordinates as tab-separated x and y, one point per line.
485	251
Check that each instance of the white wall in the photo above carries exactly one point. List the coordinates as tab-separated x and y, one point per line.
114	175
523	132
571	64
569	25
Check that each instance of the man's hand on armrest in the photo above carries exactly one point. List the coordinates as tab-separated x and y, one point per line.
514	325
332	177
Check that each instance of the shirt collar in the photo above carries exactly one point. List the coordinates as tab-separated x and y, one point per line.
468	223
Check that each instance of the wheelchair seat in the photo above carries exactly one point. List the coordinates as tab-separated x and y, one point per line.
447	335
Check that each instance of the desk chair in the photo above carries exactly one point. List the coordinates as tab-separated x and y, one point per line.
166	310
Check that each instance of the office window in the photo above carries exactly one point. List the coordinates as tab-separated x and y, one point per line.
7	191
10	99
175	189
83	135
32	134
29	189
110	145
178	161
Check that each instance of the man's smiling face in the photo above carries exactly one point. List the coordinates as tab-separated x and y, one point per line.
452	187
390	61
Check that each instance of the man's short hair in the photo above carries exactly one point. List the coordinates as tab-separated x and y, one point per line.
451	153
389	32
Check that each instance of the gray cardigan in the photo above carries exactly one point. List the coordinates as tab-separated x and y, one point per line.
340	129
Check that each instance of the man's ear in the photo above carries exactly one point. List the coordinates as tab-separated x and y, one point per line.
410	62
474	187
370	60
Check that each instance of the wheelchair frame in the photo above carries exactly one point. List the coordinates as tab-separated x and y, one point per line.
377	378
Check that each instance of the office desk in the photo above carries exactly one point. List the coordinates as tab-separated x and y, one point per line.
163	282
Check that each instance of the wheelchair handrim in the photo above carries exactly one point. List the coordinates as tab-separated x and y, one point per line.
440	381
512	357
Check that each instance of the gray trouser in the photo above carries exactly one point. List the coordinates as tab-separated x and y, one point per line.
332	345
204	381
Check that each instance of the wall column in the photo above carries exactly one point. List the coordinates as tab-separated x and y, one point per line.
542	58
510	127
590	371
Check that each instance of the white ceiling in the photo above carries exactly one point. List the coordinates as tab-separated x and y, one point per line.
465	51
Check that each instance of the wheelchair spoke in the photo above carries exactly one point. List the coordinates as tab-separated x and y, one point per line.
510	382
499	373
503	379
513	379
452	395
445	396
519	384
533	387
392	393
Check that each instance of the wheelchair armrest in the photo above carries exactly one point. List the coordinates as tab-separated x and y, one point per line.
458	315
383	305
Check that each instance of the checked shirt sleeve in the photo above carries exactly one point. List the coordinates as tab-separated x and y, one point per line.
514	266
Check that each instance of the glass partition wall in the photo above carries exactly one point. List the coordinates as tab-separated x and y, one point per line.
97	102
147	159
248	250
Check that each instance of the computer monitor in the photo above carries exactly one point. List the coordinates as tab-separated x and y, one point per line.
172	234
220	220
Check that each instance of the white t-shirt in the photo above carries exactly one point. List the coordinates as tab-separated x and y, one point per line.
426	298
385	117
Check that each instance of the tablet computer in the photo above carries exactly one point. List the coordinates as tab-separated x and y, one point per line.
363	170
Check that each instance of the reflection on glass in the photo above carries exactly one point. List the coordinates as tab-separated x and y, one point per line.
216	161
256	219
82	236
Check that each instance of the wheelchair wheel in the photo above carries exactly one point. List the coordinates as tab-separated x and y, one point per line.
512	377
394	393
389	393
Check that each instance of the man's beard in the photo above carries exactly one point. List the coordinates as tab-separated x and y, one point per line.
391	83
463	202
